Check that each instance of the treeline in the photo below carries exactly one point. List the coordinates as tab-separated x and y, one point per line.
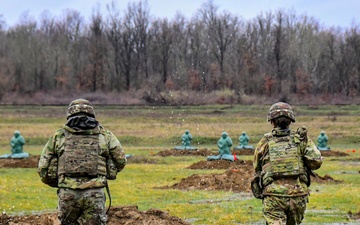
276	53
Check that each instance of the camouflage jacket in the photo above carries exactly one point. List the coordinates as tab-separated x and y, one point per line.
286	187
110	147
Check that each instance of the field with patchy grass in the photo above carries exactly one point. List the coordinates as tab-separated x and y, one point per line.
146	131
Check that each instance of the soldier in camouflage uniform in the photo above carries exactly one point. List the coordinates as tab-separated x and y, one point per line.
283	161
79	159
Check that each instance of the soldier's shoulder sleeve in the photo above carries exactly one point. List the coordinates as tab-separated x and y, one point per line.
260	151
47	167
312	156
116	151
267	136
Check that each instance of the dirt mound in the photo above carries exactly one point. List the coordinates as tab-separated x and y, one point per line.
31	162
122	215
173	152
43	219
219	164
325	179
237	178
143	160
130	215
330	153
243	152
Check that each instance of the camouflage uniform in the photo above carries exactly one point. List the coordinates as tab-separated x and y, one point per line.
81	196
285	194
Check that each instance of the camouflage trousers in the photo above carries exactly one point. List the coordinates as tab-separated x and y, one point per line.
284	210
82	207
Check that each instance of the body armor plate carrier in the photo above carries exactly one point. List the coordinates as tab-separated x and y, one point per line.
284	158
81	156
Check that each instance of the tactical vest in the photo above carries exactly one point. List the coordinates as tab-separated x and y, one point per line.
284	159
80	157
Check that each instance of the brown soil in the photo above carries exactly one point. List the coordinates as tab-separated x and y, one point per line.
31	162
122	215
219	164
354	216
331	153
237	178
347	160
243	152
130	215
144	160
198	152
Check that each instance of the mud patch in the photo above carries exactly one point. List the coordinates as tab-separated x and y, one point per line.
219	164
31	162
173	152
121	215
44	219
330	153
324	179
144	160
347	160
243	152
354	216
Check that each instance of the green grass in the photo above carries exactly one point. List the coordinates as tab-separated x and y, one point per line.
144	131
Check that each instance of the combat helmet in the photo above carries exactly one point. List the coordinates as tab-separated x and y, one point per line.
280	109
80	106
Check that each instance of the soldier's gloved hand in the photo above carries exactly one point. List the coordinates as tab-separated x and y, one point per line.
302	131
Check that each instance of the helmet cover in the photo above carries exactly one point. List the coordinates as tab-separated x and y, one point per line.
280	109
80	106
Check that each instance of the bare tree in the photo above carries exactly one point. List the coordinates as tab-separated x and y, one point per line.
197	55
113	31
5	62
275	54
70	57
162	41
24	55
141	24
352	40
222	30
97	52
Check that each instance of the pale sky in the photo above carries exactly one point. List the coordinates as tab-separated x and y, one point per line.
328	12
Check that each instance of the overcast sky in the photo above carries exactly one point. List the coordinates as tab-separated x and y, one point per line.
328	12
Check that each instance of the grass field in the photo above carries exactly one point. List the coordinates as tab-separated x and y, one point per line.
147	130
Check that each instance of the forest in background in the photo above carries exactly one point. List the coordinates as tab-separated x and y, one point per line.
126	56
